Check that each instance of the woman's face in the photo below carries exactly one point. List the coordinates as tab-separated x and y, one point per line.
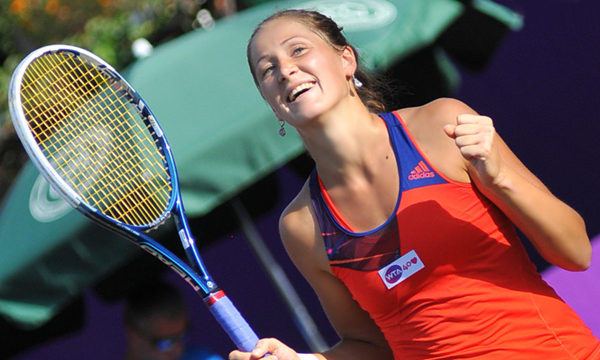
298	73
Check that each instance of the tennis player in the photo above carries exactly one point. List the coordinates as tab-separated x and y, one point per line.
406	228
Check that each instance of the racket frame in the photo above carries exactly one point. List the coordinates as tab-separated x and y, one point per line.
198	277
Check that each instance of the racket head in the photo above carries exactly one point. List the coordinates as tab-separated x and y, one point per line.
93	138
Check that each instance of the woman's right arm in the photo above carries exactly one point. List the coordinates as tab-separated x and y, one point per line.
360	336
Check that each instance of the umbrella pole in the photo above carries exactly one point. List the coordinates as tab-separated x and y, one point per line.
304	322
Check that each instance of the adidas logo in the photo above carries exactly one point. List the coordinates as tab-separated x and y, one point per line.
421	171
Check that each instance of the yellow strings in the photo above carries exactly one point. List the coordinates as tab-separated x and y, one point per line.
95	138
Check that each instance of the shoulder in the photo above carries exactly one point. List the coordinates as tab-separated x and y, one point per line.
426	125
440	111
300	234
297	213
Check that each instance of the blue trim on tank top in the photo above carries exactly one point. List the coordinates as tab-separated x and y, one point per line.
398	166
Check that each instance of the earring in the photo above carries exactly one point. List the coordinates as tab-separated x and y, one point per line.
357	83
281	128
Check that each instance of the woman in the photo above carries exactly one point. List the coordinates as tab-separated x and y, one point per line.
405	229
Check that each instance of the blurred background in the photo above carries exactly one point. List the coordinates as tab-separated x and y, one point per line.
531	66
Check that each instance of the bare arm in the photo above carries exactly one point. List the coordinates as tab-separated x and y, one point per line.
360	336
554	228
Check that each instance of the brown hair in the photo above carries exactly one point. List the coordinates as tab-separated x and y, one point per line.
331	33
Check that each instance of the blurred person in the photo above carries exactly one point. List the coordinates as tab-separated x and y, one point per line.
224	8
157	324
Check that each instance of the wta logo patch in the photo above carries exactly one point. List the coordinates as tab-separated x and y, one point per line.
393	274
401	269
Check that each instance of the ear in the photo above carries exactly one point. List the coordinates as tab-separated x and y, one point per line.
349	61
279	117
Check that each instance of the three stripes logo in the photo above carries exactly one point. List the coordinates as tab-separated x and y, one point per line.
421	171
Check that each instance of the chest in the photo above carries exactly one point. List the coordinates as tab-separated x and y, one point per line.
455	232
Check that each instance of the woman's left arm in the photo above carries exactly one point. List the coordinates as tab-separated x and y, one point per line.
555	229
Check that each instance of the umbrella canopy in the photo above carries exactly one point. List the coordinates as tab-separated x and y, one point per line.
224	136
49	251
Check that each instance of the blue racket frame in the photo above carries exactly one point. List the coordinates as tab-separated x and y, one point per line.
196	275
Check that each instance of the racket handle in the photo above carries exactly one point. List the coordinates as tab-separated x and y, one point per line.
232	321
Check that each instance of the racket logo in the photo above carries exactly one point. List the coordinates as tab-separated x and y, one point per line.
172	265
45	204
141	107
155	126
184	239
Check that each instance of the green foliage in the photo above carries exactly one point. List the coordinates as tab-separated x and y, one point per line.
106	27
107	37
10	64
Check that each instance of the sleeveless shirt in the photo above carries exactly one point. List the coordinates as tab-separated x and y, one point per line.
472	291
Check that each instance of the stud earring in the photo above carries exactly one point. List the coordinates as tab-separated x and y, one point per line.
357	83
281	128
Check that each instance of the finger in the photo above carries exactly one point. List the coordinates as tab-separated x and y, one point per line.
265	348
473	119
238	355
259	353
468	140
473	152
449	130
467	129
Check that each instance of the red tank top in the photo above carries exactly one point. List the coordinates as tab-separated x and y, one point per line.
477	295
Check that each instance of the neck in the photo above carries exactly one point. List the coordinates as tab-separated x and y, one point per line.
345	143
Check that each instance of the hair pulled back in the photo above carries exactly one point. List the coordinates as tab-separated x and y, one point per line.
332	34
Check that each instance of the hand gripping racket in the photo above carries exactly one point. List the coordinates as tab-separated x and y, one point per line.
98	144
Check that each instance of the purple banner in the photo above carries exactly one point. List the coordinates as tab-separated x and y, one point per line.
581	290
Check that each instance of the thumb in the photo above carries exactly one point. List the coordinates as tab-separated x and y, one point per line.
260	353
449	130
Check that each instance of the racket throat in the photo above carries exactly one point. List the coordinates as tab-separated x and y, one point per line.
189	245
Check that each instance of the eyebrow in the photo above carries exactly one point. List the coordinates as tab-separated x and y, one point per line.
282	43
259	60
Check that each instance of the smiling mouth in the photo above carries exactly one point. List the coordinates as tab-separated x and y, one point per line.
299	90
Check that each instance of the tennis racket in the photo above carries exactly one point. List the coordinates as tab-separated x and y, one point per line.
97	143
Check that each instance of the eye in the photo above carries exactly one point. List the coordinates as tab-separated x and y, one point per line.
267	70
298	50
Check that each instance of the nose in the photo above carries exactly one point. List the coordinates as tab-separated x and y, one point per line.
286	69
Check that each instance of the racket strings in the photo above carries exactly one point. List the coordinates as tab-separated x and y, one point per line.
132	197
138	187
121	195
130	190
96	138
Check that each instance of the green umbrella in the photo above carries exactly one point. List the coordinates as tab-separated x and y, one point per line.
224	138
49	251
223	134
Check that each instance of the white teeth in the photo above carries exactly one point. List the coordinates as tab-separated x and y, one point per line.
299	88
